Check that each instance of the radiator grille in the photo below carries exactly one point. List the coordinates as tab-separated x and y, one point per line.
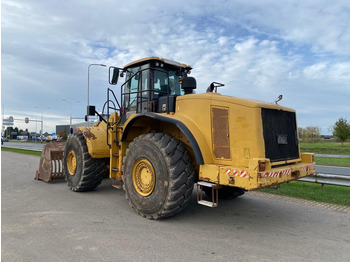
220	132
280	134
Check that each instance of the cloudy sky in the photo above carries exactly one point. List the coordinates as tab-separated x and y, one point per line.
259	49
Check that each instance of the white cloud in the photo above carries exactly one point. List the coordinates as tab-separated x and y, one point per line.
340	72
258	49
337	73
315	71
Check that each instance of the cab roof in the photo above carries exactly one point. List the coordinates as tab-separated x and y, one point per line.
153	58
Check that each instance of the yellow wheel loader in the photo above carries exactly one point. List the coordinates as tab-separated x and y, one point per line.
159	139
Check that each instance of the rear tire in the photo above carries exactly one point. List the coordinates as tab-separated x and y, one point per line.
82	172
158	175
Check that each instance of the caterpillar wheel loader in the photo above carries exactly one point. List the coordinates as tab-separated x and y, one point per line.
159	139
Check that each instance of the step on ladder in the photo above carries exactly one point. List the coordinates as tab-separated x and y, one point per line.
214	194
117	184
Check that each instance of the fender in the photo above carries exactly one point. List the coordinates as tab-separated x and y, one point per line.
196	150
96	137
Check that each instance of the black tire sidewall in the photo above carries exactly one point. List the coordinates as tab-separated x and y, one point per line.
155	201
74	144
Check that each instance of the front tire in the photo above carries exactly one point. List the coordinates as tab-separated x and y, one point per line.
82	172
158	175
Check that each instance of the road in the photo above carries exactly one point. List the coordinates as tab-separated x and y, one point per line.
48	222
25	145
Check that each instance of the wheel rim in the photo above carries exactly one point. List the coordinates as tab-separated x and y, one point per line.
143	177
71	162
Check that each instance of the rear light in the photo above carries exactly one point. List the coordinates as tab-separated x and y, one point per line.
313	158
123	110
261	166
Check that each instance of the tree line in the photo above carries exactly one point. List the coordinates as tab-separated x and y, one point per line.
340	130
12	133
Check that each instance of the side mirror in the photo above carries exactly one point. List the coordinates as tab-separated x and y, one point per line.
113	80
188	84
91	110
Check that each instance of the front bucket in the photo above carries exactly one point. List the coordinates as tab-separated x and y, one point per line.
51	166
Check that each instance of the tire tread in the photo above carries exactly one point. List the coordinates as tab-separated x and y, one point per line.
181	174
94	169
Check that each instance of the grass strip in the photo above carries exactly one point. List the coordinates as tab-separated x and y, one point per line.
338	195
326	147
325	161
21	151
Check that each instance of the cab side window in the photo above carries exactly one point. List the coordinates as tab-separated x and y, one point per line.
160	82
174	83
144	83
131	89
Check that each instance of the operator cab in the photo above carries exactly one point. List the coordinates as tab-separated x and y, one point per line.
152	85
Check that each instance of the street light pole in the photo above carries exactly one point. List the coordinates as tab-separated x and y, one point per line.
42	122
70	119
88	91
42	119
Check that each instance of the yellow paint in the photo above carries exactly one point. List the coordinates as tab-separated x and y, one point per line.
246	153
96	140
256	179
71	162
143	177
163	60
114	151
284	162
206	173
242	121
307	157
246	139
245	133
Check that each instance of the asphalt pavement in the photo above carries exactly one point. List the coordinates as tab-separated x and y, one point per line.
37	146
48	222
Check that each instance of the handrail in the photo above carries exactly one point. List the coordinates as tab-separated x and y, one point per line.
108	107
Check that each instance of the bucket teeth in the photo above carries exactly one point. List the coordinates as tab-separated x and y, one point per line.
51	162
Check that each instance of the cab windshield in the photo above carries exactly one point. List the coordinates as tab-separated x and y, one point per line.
146	84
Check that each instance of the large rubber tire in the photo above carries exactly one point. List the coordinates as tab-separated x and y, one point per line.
173	175
225	192
88	171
